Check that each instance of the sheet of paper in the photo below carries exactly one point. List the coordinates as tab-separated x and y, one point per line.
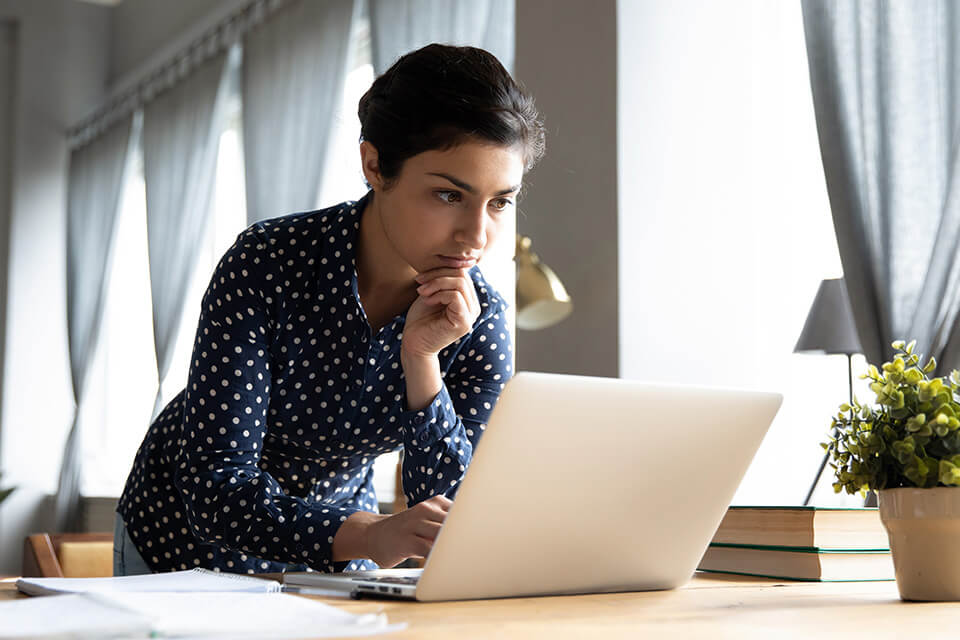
245	615
183	615
69	616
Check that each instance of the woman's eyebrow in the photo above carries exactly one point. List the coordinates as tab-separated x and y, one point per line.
468	188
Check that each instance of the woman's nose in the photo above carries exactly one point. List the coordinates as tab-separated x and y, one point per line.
473	230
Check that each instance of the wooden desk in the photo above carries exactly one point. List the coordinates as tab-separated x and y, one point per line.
708	607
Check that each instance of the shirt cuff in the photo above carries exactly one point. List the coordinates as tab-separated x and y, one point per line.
431	424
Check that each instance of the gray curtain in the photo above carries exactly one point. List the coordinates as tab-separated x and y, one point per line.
294	66
399	26
181	130
96	178
885	79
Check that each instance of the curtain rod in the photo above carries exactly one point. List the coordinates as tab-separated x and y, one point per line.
172	70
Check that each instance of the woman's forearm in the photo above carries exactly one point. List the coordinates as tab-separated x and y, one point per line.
351	539
423	379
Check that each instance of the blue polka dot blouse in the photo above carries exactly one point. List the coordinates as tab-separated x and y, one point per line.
290	398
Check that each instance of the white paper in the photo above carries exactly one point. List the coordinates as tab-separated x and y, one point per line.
69	616
239	615
183	615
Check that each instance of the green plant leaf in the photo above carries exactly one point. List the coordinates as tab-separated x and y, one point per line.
901	438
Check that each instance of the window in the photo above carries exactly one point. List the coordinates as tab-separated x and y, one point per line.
725	222
123	377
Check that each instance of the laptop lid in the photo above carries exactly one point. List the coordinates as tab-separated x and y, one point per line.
585	485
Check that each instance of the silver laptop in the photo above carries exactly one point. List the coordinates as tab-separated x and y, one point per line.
583	485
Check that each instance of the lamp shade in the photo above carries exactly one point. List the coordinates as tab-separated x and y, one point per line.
830	327
542	300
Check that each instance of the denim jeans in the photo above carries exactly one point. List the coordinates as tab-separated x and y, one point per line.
127	561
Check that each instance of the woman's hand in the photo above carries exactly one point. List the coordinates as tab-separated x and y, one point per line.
389	540
445	310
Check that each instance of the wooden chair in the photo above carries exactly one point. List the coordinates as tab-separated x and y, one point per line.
399	500
68	555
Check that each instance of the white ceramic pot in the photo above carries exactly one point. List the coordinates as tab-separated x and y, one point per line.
924	530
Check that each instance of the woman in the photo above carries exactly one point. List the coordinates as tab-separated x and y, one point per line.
330	337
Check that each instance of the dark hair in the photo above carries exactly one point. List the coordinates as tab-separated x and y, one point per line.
440	96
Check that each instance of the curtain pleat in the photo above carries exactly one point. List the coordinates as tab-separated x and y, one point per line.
294	66
884	79
400	26
181	130
96	178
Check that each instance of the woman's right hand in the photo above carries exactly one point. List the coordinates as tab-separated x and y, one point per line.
408	534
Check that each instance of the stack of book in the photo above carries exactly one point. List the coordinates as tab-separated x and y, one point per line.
801	543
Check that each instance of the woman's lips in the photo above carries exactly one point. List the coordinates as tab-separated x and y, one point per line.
457	263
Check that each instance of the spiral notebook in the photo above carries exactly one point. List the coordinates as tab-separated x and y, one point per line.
190	581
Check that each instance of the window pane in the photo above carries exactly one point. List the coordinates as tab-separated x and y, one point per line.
123	381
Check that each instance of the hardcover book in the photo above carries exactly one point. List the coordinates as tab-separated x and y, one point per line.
799	563
818	527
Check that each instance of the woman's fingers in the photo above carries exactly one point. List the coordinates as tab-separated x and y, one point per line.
446	283
435	510
428	529
442	501
420	547
445	278
454	301
438	284
410	533
432	274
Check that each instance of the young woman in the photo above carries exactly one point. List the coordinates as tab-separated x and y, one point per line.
330	337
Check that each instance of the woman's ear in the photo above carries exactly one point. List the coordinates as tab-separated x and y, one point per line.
370	164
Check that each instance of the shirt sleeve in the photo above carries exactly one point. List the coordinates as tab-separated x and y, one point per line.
230	501
438	441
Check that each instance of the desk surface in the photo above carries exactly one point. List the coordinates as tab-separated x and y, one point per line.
708	606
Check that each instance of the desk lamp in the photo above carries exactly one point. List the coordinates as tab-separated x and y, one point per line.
542	301
830	329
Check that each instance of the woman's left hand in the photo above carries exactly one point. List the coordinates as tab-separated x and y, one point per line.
445	310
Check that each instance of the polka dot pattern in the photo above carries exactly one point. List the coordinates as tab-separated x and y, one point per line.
290	398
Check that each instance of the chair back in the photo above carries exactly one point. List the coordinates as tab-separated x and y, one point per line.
68	555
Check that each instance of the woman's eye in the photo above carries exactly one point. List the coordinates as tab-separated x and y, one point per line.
449	197
501	203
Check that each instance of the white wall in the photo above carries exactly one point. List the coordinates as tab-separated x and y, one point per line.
61	75
725	229
566	56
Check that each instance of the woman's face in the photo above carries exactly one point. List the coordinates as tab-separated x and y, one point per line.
446	208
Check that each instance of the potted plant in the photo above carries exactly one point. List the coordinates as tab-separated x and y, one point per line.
906	446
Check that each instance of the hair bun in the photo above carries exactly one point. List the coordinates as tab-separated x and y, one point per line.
439	96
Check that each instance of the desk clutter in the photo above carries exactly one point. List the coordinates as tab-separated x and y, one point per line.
196	604
801	543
